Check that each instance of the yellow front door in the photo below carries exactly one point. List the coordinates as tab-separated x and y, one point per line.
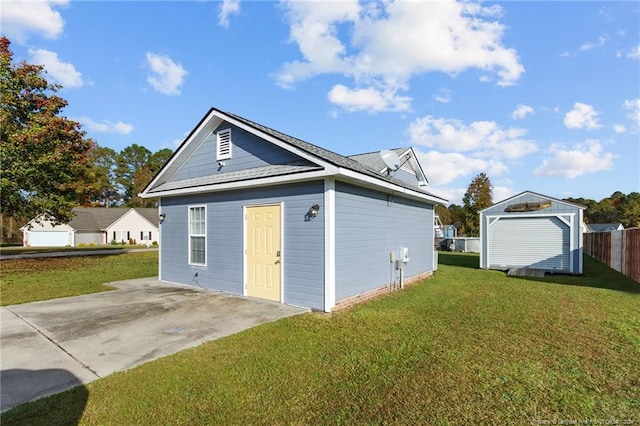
263	252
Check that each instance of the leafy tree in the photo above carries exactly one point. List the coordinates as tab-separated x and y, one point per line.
443	213
630	210
479	195
143	176
456	213
45	156
618	208
103	172
128	163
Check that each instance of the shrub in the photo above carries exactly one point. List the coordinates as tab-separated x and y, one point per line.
81	245
155	244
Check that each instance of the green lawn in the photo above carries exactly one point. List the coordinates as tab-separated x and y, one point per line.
464	347
30	280
16	250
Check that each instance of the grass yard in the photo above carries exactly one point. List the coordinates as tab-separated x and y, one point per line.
16	250
464	347
30	280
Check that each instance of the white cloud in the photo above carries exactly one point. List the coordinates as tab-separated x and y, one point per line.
453	195
443	96
483	138
619	128
633	106
634	53
105	126
501	193
20	18
581	116
228	8
443	168
522	111
593	44
166	76
582	158
370	99
62	72
389	42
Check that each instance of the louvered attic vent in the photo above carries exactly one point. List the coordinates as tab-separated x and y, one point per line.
223	145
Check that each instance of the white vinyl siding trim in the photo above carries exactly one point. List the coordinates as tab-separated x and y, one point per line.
198	235
223	145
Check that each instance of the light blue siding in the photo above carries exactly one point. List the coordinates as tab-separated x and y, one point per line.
302	251
371	224
248	151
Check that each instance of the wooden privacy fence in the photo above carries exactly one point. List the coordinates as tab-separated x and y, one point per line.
620	250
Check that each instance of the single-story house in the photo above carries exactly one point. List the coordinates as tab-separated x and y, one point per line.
249	210
532	231
603	227
94	225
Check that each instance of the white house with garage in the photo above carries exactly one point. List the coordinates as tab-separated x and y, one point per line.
532	231
94	225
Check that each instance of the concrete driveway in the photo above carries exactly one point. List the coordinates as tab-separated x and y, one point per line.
50	346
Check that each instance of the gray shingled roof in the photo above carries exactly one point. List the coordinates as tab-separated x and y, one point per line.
329	156
96	218
240	175
373	160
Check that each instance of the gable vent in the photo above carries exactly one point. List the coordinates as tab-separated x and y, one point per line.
223	145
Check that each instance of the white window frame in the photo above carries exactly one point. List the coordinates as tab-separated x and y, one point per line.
223	140
124	236
192	234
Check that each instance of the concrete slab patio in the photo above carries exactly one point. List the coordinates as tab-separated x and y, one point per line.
50	346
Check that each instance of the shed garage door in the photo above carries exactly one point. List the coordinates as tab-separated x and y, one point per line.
48	238
533	242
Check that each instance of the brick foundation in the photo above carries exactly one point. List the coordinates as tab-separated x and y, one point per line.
350	301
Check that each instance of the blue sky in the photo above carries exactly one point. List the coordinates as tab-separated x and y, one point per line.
541	96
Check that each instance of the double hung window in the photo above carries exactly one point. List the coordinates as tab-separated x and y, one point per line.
198	235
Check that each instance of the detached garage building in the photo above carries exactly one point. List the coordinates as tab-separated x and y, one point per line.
532	231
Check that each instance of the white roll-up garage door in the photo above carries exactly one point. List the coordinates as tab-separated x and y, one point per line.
48	238
529	242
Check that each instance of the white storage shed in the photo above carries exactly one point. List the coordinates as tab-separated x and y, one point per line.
532	231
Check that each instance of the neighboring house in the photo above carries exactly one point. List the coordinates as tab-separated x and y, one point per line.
532	231
251	211
95	225
603	227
